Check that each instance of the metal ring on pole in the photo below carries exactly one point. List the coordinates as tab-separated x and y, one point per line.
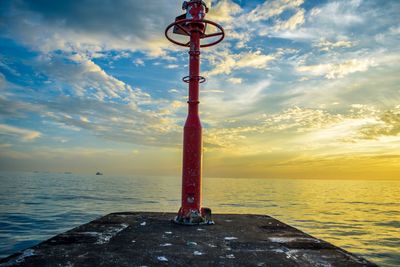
201	79
178	23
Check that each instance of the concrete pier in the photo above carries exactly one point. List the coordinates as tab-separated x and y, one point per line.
151	239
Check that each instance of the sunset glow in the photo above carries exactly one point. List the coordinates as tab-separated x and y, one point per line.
298	89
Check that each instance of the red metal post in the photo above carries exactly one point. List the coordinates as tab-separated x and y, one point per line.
192	137
194	26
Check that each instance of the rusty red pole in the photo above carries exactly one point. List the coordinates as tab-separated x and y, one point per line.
193	24
192	136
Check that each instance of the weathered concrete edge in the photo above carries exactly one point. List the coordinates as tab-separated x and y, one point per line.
25	253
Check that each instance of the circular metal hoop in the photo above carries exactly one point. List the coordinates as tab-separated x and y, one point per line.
178	23
201	79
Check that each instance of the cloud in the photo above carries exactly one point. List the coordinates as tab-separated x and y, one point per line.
330	20
241	26
5	66
363	130
292	23
237	100
340	13
325	45
212	91
224	11
16	109
84	119
138	62
5	145
172	66
376	86
272	8
300	119
171	107
337	70
235	80
321	128
177	104
127	119
86	78
230	15
277	131
387	124
173	90
21	133
225	62
47	26
114	121
2	81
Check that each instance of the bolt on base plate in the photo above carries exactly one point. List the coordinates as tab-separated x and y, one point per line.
195	218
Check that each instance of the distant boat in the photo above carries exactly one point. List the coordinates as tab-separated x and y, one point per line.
67	172
99	173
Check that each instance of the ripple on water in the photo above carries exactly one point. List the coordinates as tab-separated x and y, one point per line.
395	224
361	216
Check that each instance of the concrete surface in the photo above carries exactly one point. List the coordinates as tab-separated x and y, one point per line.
151	239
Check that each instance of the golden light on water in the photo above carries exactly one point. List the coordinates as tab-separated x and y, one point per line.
359	216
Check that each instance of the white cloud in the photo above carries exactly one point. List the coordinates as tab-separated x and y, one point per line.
272	8
292	23
337	70
296	128
235	80
81	26
225	62
224	11
5	66
115	121
177	104
248	25
23	134
299	119
235	100
213	91
326	45
173	90
327	21
172	66
387	124
138	62
84	119
87	78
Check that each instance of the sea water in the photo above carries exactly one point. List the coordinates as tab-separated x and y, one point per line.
361	216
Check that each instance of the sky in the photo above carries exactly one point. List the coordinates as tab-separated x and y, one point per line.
297	89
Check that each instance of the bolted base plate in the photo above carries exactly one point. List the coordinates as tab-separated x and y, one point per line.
195	218
184	221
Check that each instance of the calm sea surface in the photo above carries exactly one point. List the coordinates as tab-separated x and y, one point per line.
362	217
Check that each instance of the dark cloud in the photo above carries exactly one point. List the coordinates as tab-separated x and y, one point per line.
89	26
116	17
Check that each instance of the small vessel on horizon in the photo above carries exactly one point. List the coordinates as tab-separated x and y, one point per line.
99	173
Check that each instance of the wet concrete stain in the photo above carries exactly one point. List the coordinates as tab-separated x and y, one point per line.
151	239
